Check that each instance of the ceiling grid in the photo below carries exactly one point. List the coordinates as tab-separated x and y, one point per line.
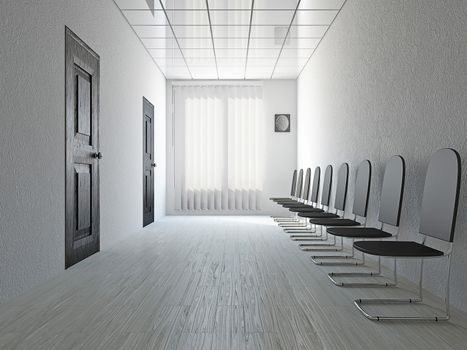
225	39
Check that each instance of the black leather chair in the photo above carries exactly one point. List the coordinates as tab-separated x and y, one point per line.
437	223
339	202
303	188
310	201
303	197
292	190
297	192
360	206
389	216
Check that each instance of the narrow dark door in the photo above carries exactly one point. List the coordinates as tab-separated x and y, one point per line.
82	150
148	162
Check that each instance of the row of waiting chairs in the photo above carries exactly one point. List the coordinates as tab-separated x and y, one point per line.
437	220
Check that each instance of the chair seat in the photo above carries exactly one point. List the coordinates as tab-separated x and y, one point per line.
301	209
358	232
300	206
292	205
334	222
279	198
310	210
396	249
286	200
318	215
296	205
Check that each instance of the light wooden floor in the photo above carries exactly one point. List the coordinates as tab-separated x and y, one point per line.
208	283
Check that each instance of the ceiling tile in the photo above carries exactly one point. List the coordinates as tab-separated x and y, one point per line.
178	72
276	18
197	53
258	72
188	17
137	4
288	62
230	17
225	53
230	31
231	72
286	73
230	4
321	4
184	4
231	62
201	61
263	53
302	43
204	72
259	43
192	31
315	17
192	43
233	43
261	62
270	31
276	4
153	31
303	31
292	53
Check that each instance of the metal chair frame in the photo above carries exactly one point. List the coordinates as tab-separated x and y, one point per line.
419	299
332	275
309	247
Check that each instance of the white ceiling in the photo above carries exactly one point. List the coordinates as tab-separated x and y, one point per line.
230	39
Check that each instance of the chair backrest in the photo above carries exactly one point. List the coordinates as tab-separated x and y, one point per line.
298	192
327	184
362	189
392	191
306	185
294	183
341	188
315	187
441	195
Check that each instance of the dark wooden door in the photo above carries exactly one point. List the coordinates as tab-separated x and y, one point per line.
82	150
148	162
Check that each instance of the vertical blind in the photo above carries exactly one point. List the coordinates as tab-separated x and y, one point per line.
218	147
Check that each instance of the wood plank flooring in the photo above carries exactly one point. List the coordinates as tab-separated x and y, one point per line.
209	283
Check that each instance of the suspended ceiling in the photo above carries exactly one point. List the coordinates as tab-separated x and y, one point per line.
235	39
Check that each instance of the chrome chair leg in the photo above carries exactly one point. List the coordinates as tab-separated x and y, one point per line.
306	238
306	229
284	219
307	247
374	301
299	236
304	232
292	225
350	259
332	276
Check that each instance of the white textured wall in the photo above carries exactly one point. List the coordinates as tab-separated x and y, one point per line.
32	131
279	96
390	78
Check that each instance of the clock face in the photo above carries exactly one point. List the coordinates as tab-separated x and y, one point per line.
282	122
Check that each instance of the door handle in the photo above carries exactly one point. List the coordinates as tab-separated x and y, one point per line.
153	165
97	155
